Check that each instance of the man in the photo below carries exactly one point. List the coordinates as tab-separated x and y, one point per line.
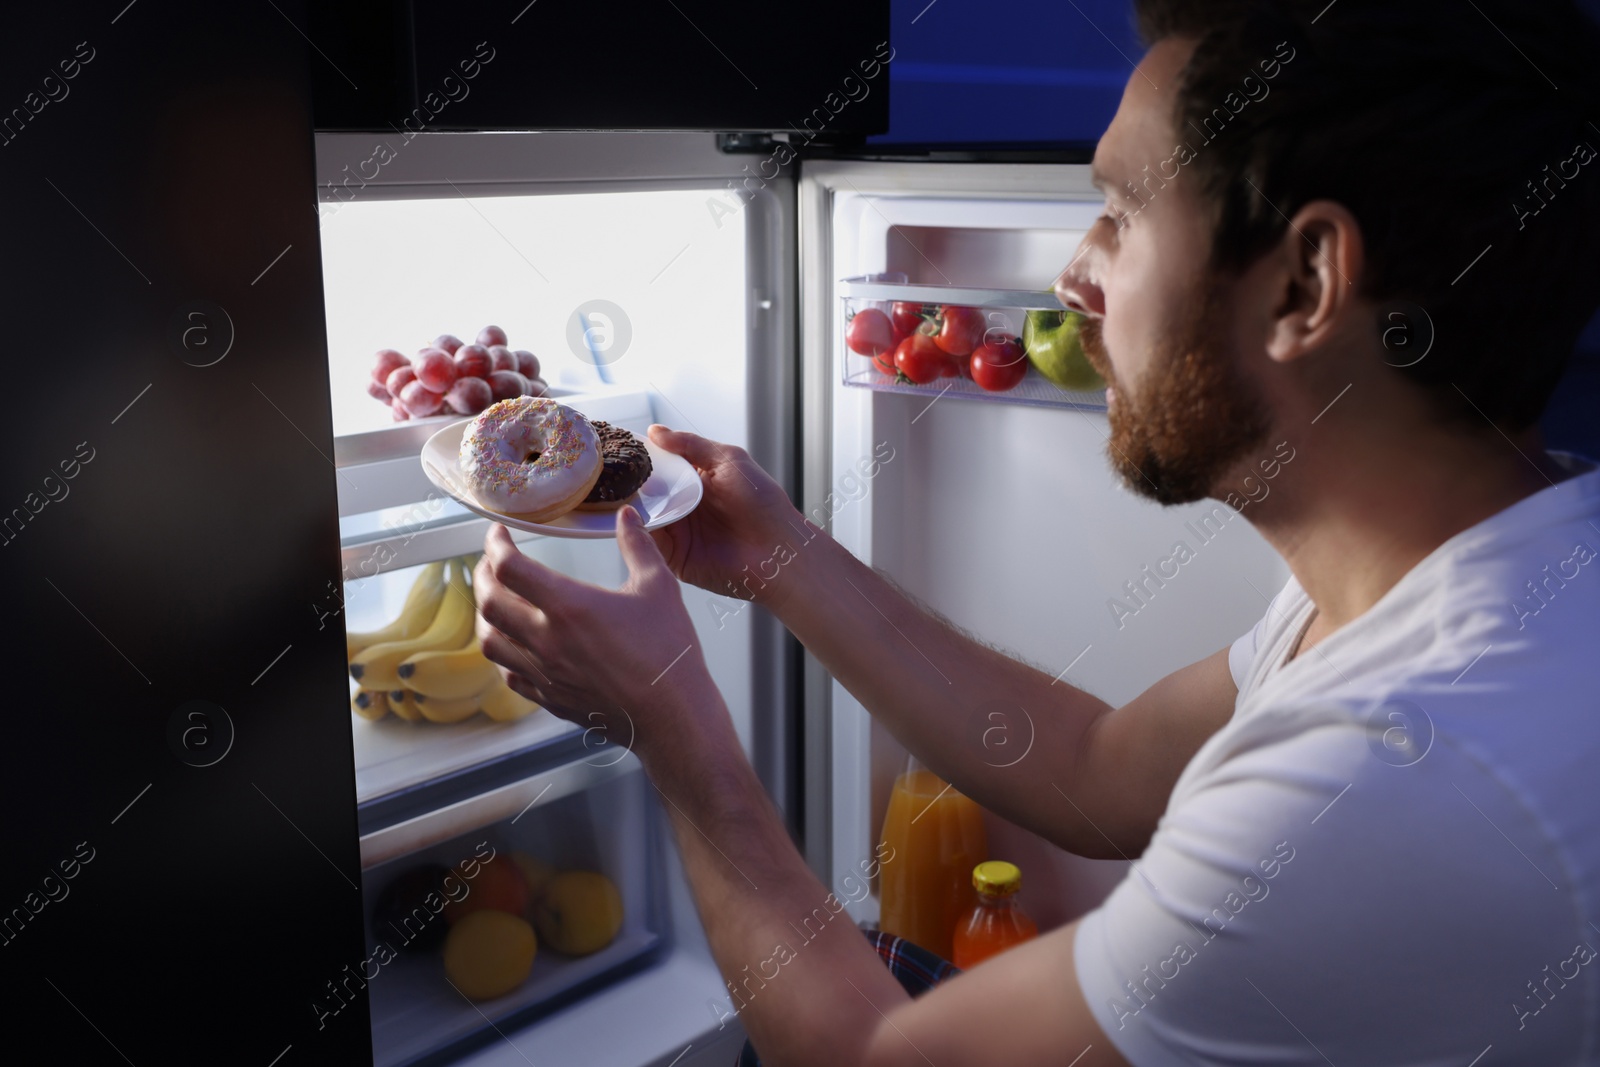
1367	831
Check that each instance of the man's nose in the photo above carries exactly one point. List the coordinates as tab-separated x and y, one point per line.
1074	288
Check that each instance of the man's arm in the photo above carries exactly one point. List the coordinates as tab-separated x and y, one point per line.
805	983
1095	779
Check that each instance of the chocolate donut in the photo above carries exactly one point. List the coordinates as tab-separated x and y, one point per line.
624	466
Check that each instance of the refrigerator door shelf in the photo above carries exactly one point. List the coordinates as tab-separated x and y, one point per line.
1034	390
1003	311
583	817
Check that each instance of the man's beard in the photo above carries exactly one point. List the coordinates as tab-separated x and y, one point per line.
1195	415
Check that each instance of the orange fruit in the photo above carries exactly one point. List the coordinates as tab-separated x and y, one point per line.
498	886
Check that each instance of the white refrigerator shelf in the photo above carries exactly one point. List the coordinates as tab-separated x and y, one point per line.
393	754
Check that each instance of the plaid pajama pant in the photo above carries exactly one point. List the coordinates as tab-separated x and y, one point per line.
917	969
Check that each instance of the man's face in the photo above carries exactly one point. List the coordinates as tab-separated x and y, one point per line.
1160	325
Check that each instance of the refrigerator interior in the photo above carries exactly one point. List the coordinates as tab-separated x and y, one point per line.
436	248
1025	541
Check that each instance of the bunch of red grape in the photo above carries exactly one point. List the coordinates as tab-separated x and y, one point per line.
448	376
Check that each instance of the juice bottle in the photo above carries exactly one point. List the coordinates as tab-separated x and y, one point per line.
995	922
936	835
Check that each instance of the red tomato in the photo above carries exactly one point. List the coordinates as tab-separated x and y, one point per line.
960	330
920	359
999	364
906	318
869	333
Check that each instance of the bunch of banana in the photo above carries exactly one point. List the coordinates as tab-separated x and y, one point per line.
378	666
422	604
449	675
503	704
432	668
403	703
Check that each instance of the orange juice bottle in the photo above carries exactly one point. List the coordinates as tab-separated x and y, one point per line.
995	922
936	835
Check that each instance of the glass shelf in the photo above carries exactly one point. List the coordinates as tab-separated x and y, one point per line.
394	756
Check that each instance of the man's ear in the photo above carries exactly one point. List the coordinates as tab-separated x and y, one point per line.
1319	261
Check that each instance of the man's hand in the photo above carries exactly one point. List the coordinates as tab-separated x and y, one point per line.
581	650
742	516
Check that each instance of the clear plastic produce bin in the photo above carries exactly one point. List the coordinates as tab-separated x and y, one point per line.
999	313
595	817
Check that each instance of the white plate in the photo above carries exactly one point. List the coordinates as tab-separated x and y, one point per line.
671	492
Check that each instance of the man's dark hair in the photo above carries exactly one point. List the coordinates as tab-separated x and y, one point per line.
1446	127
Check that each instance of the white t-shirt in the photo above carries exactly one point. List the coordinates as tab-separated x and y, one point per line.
1391	853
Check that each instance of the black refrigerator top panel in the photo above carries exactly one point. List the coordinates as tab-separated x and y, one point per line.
724	65
181	874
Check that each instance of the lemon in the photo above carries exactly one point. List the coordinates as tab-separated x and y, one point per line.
489	953
579	912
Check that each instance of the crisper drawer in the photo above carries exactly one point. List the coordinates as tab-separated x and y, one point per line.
445	972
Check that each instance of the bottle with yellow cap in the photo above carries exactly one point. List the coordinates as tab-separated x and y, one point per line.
996	922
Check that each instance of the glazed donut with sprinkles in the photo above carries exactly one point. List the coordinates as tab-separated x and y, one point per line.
530	457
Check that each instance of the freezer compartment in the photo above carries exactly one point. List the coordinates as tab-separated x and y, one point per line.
878	312
593	817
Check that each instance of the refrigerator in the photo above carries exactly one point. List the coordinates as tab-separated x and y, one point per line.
719	305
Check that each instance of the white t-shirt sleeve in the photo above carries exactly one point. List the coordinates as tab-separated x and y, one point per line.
1306	901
